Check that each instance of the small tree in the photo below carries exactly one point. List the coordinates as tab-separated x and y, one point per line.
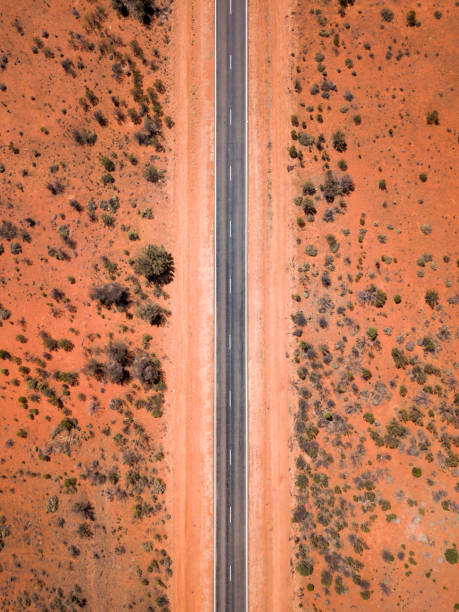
147	369
156	264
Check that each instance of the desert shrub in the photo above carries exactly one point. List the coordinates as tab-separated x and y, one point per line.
48	342
153	313
347	184
400	359
373	296
99	117
305	139
111	294
84	531
84	137
372	333
66	345
333	244
428	344
155	264
56	188
142	10
95	369
152	174
299	319
147	369
326	578
119	352
387	15
433	118
419	375
116	373
305	568
86	509
339	141
8	231
309	207
52	505
308	188
411	20
107	163
416	472
431	298
451	555
331	187
107	179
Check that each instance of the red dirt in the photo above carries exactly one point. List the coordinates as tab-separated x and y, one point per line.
190	429
270	251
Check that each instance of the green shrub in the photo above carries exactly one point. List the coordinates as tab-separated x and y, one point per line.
399	358
155	264
372	333
451	555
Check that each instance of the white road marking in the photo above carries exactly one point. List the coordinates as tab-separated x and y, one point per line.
230	574
231	7
230	228
230	514
230	285
231	62
230	397
229	341
230	174
230	456
231	119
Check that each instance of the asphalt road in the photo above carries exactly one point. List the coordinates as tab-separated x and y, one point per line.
230	586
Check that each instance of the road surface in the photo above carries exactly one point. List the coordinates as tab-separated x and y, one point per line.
230	564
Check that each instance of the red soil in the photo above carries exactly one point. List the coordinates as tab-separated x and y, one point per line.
270	274
190	336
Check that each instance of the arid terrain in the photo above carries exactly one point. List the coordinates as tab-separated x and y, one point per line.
353	296
107	314
106	330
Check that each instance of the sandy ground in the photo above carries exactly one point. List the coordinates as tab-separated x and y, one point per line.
190	429
270	252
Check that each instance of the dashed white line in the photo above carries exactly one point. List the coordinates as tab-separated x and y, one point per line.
230	456
230	285
230	397
229	341
231	118
231	7
230	514
230	173
231	62
230	229
230	574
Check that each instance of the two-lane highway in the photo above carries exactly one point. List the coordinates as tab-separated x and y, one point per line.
230	562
